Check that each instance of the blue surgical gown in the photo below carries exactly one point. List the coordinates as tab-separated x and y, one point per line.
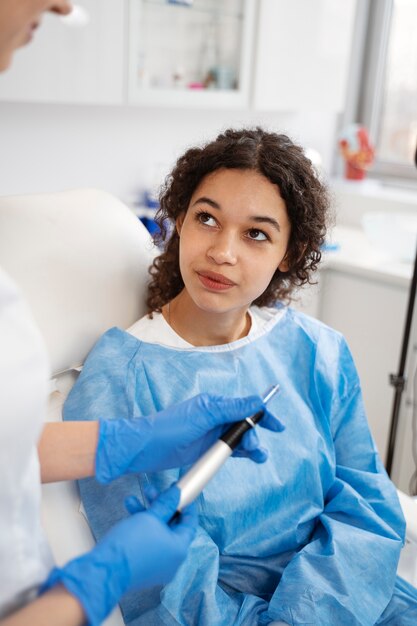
312	536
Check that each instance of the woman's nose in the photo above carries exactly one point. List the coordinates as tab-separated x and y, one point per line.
223	249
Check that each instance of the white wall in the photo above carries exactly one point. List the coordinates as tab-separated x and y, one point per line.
53	147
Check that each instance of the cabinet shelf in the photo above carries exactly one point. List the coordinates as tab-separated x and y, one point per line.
197	55
211	7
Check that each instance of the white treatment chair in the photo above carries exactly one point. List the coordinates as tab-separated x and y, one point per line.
407	567
81	258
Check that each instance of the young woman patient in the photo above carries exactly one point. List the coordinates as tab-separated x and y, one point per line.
312	535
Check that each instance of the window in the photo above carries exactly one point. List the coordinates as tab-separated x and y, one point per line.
388	94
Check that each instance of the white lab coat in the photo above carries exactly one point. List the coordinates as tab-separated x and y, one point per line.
25	558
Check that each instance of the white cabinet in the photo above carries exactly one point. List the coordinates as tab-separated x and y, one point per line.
370	314
281	55
303	54
72	64
197	55
150	52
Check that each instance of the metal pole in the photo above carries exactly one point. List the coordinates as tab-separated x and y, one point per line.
398	380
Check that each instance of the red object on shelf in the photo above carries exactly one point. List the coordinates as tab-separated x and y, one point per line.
354	173
195	85
357	151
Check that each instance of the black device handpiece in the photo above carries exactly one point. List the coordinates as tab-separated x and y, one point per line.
197	477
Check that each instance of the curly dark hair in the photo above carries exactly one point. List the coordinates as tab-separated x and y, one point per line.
285	165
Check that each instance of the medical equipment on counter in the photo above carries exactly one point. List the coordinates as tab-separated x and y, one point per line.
194	481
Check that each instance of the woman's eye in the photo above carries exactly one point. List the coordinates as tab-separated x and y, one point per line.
257	235
207	219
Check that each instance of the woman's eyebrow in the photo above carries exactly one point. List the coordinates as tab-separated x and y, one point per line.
205	200
259	219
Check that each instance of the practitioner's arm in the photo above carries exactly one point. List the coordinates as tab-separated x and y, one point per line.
57	607
67	450
141	551
171	438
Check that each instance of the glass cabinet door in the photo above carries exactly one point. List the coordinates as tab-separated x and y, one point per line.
190	52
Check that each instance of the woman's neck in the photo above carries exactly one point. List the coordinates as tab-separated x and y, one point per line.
205	328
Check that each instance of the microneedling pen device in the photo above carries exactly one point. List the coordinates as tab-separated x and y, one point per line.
194	481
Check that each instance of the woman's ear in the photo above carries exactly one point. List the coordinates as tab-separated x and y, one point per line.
284	265
179	222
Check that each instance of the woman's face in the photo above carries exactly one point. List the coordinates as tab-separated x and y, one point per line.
233	237
19	19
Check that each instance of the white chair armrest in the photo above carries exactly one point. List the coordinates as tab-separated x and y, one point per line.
409	507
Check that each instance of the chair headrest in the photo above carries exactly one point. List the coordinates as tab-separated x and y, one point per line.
81	259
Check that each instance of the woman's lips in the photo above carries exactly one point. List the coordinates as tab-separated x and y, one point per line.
216	282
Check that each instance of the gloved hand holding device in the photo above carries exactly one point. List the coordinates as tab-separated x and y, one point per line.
177	436
139	552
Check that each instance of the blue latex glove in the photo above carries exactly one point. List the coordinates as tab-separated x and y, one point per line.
139	552
177	436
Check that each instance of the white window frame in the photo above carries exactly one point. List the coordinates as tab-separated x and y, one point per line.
364	104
